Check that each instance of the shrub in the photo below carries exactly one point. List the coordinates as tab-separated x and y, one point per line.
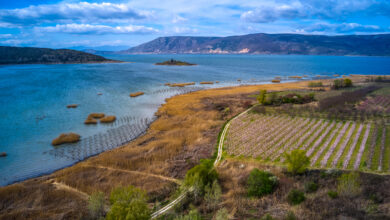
261	96
311	187
221	214
128	203
347	82
333	194
213	195
267	217
297	161
295	197
201	176
315	84
261	183
342	83
96	205
192	215
290	216
349	184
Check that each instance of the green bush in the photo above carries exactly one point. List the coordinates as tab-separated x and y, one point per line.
349	184
261	183
212	195
315	84
267	217
311	187
297	161
261	97
290	216
192	215
295	197
342	83
201	176
128	203
333	194
96	205
221	214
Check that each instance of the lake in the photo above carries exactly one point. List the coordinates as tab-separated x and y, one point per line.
33	99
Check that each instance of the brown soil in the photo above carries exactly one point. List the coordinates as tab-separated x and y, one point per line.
66	138
108	119
136	94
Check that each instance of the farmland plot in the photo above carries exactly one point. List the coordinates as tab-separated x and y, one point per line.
329	144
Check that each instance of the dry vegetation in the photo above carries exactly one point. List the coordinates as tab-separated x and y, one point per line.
72	106
180	84
205	83
66	138
372	203
96	115
186	130
136	94
108	119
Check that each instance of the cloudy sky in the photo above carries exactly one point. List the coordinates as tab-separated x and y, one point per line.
117	24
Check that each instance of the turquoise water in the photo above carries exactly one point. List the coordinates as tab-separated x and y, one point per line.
33	99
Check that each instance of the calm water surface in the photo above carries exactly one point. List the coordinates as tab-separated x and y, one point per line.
33	98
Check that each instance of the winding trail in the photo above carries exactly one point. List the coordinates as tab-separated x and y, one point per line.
63	186
217	160
137	173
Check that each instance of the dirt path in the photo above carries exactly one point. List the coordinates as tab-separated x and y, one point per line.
62	186
138	173
219	156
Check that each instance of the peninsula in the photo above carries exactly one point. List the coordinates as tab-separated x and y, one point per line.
33	55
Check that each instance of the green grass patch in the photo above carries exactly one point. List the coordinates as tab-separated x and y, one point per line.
377	150
386	156
366	153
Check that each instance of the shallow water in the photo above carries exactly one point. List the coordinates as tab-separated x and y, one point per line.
33	98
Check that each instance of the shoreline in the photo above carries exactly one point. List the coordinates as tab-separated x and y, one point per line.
185	130
48	173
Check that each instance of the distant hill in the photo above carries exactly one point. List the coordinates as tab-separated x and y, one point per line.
354	45
32	55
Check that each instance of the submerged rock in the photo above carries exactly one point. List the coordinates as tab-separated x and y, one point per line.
3	154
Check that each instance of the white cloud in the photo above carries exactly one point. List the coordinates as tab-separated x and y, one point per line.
342	28
96	29
5	36
179	19
65	12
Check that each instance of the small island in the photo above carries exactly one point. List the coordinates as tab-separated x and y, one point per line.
173	62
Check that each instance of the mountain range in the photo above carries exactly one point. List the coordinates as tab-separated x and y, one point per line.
353	45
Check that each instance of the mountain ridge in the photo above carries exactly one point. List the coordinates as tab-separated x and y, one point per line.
354	45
